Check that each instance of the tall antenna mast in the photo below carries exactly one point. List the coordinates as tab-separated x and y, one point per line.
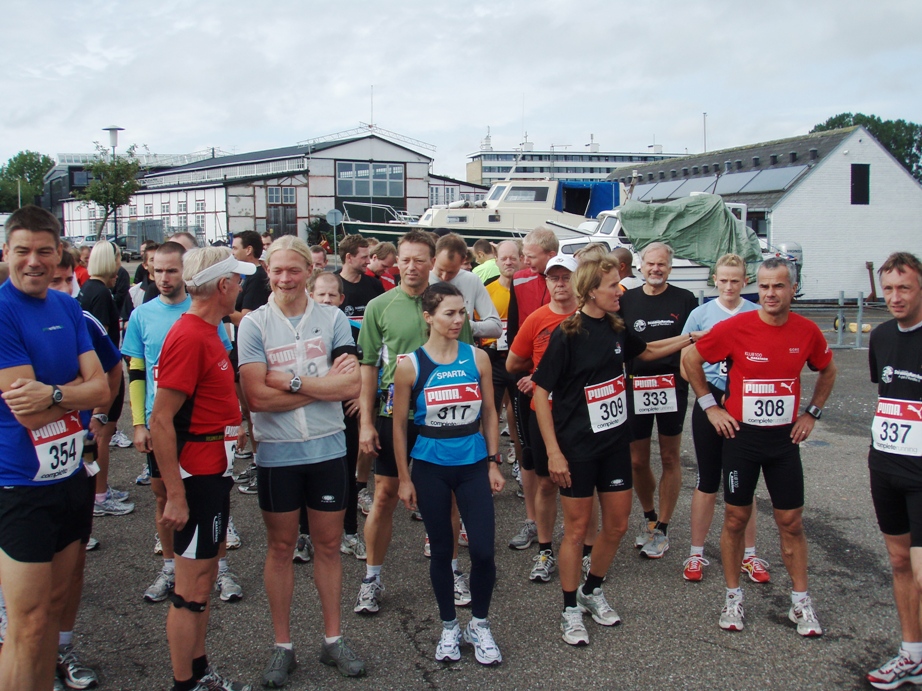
372	121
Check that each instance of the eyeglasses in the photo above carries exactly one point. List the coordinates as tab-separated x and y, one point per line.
559	278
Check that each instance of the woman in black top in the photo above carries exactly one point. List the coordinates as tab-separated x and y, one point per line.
96	299
584	368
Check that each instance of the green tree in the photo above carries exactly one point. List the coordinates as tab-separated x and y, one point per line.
901	138
114	180
23	175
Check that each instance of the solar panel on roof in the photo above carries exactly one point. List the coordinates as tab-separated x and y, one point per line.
773	180
640	191
705	184
664	190
734	182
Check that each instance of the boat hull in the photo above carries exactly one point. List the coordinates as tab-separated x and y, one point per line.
392	232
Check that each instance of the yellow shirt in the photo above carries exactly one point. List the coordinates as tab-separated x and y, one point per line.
500	295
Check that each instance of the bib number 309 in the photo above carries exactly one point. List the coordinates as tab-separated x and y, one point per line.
58	448
607	404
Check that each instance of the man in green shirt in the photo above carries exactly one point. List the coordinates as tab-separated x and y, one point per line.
393	327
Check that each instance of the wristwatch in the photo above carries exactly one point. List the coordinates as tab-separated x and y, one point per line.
814	411
295	384
102	417
56	395
497	458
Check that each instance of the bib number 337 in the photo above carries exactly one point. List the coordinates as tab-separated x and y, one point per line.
897	427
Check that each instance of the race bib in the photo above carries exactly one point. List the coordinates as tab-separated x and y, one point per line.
607	404
770	402
655	394
502	343
307	358
722	369
230	447
897	427
58	448
388	407
452	405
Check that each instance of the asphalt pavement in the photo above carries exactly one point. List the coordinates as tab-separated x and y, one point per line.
669	638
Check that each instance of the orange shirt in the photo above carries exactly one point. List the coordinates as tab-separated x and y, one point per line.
532	339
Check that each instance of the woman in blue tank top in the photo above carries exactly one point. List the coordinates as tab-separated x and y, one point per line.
447	382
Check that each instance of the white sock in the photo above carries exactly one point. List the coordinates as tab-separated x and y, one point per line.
735	593
696	551
914	649
797	598
373	572
2	601
475	621
286	646
65	638
330	640
454	566
222	565
169	566
449	624
750	552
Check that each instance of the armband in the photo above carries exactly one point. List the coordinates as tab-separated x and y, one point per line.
707	401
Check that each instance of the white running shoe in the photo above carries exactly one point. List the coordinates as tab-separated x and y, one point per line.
462	590
367	601
120	440
233	538
804	616
366	499
597	606
732	615
354	545
572	627
646	532
896	672
228	587
449	647
545	566
486	652
162	586
304	549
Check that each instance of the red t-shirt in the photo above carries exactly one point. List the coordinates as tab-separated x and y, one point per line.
764	364
193	361
530	293
532	339
386	278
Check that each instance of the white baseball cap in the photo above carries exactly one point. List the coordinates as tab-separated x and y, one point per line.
564	260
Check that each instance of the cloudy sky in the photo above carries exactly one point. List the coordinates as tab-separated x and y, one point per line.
244	76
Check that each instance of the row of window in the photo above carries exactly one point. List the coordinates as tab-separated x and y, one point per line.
378	180
627	158
547	169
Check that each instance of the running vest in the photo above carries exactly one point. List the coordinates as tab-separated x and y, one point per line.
447	401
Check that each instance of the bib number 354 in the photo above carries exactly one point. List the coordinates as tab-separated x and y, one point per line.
58	448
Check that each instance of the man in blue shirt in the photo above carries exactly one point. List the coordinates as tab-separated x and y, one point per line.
48	370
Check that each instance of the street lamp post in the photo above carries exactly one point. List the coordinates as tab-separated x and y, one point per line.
113	131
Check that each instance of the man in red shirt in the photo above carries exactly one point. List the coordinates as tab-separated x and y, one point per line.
381	265
766	351
529	292
194	426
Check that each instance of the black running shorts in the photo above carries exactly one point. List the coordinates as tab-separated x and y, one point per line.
320	486
38	522
385	463
771	451
608	473
208	497
898	505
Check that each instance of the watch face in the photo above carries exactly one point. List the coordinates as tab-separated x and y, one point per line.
57	395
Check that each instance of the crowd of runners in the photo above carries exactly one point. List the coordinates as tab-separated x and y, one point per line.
404	365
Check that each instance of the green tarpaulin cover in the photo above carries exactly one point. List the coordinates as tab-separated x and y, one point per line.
700	228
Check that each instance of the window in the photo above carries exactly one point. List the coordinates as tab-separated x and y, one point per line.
369	179
183	221
288	195
274	195
861	183
433	196
527	194
449	195
199	207
91	212
497	192
182	207
200	220
133	210
165	208
148	209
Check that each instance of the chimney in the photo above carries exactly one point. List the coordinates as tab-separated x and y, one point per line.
793	156
814	154
755	161
773	158
739	164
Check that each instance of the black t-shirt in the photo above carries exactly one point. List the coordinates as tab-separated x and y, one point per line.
653	318
120	291
359	294
151	292
140	274
255	292
97	299
571	364
895	359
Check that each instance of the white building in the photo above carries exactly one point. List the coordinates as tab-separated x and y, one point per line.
559	162
279	190
839	194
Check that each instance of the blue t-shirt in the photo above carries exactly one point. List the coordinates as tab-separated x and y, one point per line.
706	316
147	329
48	334
447	402
106	351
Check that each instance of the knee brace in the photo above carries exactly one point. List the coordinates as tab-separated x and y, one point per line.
179	602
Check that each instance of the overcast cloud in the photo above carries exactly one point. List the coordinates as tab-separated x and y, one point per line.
244	76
